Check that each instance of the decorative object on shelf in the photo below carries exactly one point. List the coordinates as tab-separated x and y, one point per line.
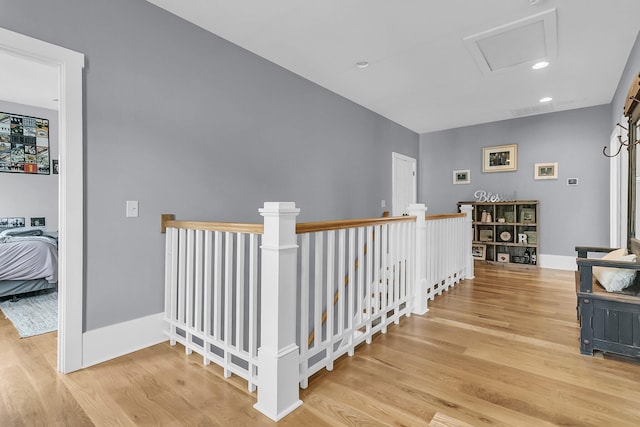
489	219
546	171
486	235
488	196
522	238
505	236
527	215
483	217
508	216
501	221
532	237
479	251
503	257
500	158
462	176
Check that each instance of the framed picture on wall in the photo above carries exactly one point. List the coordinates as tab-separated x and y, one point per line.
546	171
462	176
501	158
24	144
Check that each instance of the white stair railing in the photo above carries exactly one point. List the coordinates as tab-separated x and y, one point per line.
211	288
353	283
320	289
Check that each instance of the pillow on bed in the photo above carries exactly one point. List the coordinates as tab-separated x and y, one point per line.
616	279
22	231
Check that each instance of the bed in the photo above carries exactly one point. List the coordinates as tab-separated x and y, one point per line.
28	261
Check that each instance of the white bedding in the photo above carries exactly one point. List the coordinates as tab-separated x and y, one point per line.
26	259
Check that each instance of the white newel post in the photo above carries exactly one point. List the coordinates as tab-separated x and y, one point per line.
468	241
419	210
278	392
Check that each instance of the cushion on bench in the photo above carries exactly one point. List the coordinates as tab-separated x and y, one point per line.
616	279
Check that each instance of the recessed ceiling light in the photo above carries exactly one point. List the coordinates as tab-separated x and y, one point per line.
546	99
362	64
540	65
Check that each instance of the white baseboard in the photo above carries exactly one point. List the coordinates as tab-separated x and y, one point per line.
102	344
557	262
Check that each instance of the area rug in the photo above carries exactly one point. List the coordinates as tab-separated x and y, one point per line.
33	315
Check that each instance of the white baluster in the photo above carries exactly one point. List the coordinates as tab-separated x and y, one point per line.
305	273
228	295
207	291
253	309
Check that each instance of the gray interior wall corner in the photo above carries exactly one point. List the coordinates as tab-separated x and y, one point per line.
188	123
569	215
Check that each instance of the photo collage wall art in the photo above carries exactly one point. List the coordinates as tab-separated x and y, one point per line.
24	144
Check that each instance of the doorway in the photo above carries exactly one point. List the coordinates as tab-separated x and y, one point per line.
404	184
70	191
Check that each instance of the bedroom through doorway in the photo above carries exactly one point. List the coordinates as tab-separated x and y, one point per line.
68	66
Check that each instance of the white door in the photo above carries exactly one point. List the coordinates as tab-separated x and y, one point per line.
404	185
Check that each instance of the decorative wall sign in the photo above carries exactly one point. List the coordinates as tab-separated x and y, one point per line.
488	196
24	144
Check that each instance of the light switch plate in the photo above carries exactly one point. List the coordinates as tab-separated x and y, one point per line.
132	208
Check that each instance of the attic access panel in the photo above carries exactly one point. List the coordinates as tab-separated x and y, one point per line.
522	42
24	144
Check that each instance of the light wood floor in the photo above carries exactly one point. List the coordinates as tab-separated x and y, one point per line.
501	350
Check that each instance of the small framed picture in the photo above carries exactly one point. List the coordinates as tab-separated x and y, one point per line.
479	251
503	257
38	222
501	158
486	235
462	176
546	171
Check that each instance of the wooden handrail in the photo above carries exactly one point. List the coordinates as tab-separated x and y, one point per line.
168	220
311	227
444	216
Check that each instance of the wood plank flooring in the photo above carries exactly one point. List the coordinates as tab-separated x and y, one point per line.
499	350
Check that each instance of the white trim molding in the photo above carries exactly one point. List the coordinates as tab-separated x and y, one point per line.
71	204
557	262
113	341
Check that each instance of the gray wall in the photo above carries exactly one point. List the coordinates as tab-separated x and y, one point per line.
190	124
569	215
31	195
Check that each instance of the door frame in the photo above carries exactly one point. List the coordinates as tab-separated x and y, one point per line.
396	157
70	66
618	189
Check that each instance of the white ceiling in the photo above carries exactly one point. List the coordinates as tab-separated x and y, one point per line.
28	82
421	73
